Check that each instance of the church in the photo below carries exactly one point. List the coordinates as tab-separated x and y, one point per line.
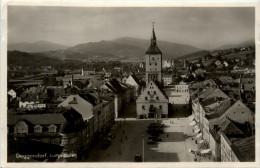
153	102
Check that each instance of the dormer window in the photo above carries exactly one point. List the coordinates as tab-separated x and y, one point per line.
37	129
52	128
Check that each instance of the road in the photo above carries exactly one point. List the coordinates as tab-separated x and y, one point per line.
173	148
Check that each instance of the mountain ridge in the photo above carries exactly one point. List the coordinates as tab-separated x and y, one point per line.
37	46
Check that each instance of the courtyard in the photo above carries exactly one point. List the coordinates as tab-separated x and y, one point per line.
128	141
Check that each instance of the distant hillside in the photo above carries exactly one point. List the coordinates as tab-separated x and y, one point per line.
38	46
247	43
193	56
170	50
124	48
29	59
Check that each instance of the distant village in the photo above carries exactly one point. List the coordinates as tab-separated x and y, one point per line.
67	110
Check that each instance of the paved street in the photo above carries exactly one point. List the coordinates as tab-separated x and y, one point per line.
171	149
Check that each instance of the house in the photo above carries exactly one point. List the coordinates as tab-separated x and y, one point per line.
167	79
218	64
182	87
89	107
59	127
225	63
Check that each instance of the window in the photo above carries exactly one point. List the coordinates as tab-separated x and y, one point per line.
157	98
154	92
146	98
143	107
148	92
160	107
52	128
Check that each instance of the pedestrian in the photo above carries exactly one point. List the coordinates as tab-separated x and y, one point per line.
126	137
121	140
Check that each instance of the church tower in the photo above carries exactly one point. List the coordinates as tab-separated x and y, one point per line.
152	102
153	61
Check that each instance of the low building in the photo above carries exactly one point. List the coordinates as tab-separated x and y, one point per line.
152	103
60	127
167	80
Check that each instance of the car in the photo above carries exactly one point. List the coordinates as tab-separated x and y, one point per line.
151	142
138	157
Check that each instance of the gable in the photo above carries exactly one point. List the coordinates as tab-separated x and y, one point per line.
80	105
238	112
152	93
130	80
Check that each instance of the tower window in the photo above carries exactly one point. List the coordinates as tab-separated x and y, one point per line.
150	64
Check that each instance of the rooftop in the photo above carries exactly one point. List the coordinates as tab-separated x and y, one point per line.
245	149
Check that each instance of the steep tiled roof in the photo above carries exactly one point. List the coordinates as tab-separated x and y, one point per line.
153	49
219	110
43	118
245	149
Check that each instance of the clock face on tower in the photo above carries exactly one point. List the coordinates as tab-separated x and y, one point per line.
152	58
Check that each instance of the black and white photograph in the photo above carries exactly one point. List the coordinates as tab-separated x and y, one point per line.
130	84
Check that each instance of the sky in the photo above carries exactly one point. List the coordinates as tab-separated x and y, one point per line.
205	28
